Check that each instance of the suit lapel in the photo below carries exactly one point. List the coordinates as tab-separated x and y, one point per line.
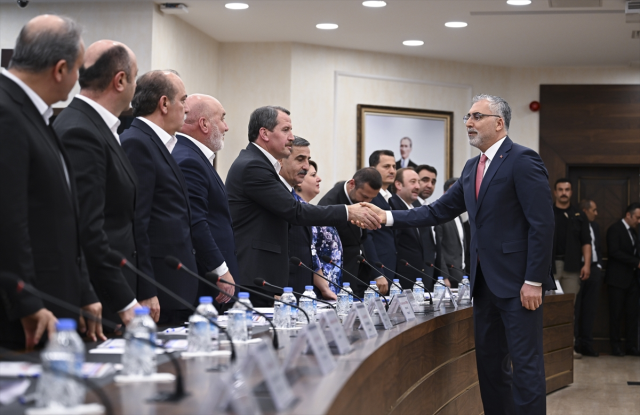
498	159
184	140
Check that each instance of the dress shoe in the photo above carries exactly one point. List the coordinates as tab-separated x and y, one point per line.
633	352
588	351
577	355
616	351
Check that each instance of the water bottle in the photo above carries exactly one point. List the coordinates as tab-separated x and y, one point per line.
369	294
467	293
207	310
418	290
343	303
292	312
237	324
139	358
244	299
199	337
64	354
280	315
374	288
439	288
347	286
309	304
394	290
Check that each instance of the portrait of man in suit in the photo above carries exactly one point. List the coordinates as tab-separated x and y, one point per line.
406	145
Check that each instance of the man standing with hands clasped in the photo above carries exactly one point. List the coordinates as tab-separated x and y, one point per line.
506	193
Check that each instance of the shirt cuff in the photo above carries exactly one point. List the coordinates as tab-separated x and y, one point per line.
347	209
535	284
131	304
377	278
389	218
221	270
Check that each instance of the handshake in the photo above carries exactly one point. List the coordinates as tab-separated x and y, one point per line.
366	215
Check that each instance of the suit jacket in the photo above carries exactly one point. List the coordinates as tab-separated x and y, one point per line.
211	227
430	251
261	209
163	217
353	239
512	222
410	164
39	232
451	250
300	246
596	242
408	246
380	245
577	234
106	185
623	264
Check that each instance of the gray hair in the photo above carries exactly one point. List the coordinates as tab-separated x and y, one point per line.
498	105
264	117
149	89
39	49
407	138
300	142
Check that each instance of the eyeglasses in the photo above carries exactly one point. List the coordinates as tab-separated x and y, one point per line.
477	116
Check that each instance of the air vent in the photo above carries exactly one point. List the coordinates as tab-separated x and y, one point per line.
632	7
635	34
575	3
174	8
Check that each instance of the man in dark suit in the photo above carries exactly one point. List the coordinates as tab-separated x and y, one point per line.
105	180
506	192
163	217
39	235
406	145
363	187
430	236
408	240
452	246
622	280
589	293
262	208
200	138
380	245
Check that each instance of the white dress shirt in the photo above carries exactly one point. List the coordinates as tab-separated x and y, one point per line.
386	194
283	180
167	139
45	111
458	223
633	243
111	120
275	163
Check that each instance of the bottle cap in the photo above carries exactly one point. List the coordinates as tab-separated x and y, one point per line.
288	289
346	284
418	279
466	277
206	300
66	324
308	287
440	278
141	311
396	280
243	295
372	283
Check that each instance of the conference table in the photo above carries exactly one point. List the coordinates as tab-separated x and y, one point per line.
424	366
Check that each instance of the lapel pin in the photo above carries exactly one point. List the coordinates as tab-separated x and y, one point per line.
500	155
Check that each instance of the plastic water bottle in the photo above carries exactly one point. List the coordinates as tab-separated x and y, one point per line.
418	290
439	288
369	294
244	299
467	293
199	337
394	290
309	305
237	324
207	310
139	358
292	312
343	303
347	286
64	354
374	288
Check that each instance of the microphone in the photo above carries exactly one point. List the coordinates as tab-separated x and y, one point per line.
406	263
9	282
362	260
457	269
443	271
327	259
381	265
117	259
174	263
296	261
260	282
214	279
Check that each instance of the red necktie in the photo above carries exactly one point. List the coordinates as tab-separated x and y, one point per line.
480	173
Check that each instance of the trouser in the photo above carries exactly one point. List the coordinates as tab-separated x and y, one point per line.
586	308
506	333
570	281
623	302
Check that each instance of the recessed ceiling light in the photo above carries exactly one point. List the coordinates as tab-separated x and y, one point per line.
374	3
327	26
236	6
456	24
519	2
413	43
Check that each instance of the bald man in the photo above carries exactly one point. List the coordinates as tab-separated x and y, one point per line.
39	240
106	181
200	138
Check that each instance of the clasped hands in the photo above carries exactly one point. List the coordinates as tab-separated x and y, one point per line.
367	216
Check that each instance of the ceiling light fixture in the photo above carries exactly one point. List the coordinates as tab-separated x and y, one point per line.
413	43
327	26
374	3
236	6
519	2
456	24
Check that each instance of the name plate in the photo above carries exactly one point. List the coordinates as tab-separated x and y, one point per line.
377	304
313	336
462	290
330	319
366	322
273	375
350	319
440	298
234	392
412	300
405	307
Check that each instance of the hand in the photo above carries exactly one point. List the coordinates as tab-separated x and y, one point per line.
531	296
447	282
383	285
323	286
229	289
360	215
154	307
127	315
585	272
92	327
35	324
382	215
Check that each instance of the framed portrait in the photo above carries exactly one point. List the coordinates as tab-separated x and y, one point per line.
416	137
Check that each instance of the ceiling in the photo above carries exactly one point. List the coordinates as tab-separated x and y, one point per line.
497	34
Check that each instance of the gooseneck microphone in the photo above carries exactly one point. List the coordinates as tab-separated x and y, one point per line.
174	263
117	259
296	261
328	260
443	271
381	266
214	279
407	264
457	269
362	260
260	282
